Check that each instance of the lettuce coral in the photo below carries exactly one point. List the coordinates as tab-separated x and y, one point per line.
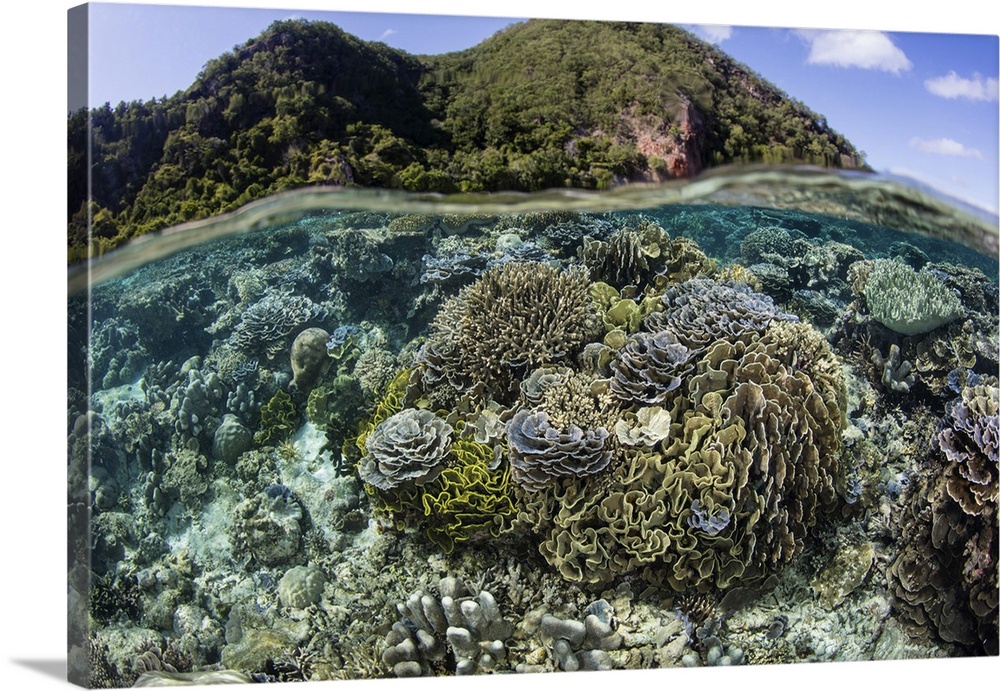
469	500
407	448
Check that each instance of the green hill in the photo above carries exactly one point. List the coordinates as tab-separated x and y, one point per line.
542	104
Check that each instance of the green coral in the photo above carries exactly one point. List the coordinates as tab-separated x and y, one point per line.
907	301
469	500
278	419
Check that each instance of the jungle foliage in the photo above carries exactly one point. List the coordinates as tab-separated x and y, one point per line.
541	104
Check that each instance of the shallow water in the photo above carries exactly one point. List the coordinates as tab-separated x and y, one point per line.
712	415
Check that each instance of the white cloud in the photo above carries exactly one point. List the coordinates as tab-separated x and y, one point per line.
945	147
869	50
713	33
386	34
953	86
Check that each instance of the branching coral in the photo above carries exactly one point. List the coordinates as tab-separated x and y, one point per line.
515	318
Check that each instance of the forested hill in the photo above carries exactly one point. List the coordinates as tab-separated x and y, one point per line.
542	104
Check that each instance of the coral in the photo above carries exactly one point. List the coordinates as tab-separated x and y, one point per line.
470	625
268	527
406	448
309	357
196	400
268	322
542	453
944	578
729	495
470	500
701	310
765	243
278	419
845	572
231	439
513	319
650	367
907	301
117	356
644	259
896	374
185	476
645	427
301	586
344	340
943	351
970	444
576	645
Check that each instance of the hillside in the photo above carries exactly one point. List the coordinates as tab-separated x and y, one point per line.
542	104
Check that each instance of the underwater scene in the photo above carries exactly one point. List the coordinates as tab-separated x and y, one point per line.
756	423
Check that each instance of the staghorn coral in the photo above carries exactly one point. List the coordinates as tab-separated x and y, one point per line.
907	301
407	448
471	626
513	319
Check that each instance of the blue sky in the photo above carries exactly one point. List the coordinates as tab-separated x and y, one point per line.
921	105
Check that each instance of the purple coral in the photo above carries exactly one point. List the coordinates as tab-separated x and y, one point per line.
541	453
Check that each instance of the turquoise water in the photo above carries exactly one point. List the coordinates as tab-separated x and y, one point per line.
748	420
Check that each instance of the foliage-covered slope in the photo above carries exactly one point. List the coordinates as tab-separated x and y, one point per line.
541	104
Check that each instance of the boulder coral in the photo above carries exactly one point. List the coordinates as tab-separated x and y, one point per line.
309	357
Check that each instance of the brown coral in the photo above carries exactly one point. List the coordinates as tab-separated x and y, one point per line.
515	318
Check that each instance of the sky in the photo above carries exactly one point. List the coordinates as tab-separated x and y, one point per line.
920	105
33	275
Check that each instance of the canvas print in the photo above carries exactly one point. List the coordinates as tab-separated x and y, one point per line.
413	345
